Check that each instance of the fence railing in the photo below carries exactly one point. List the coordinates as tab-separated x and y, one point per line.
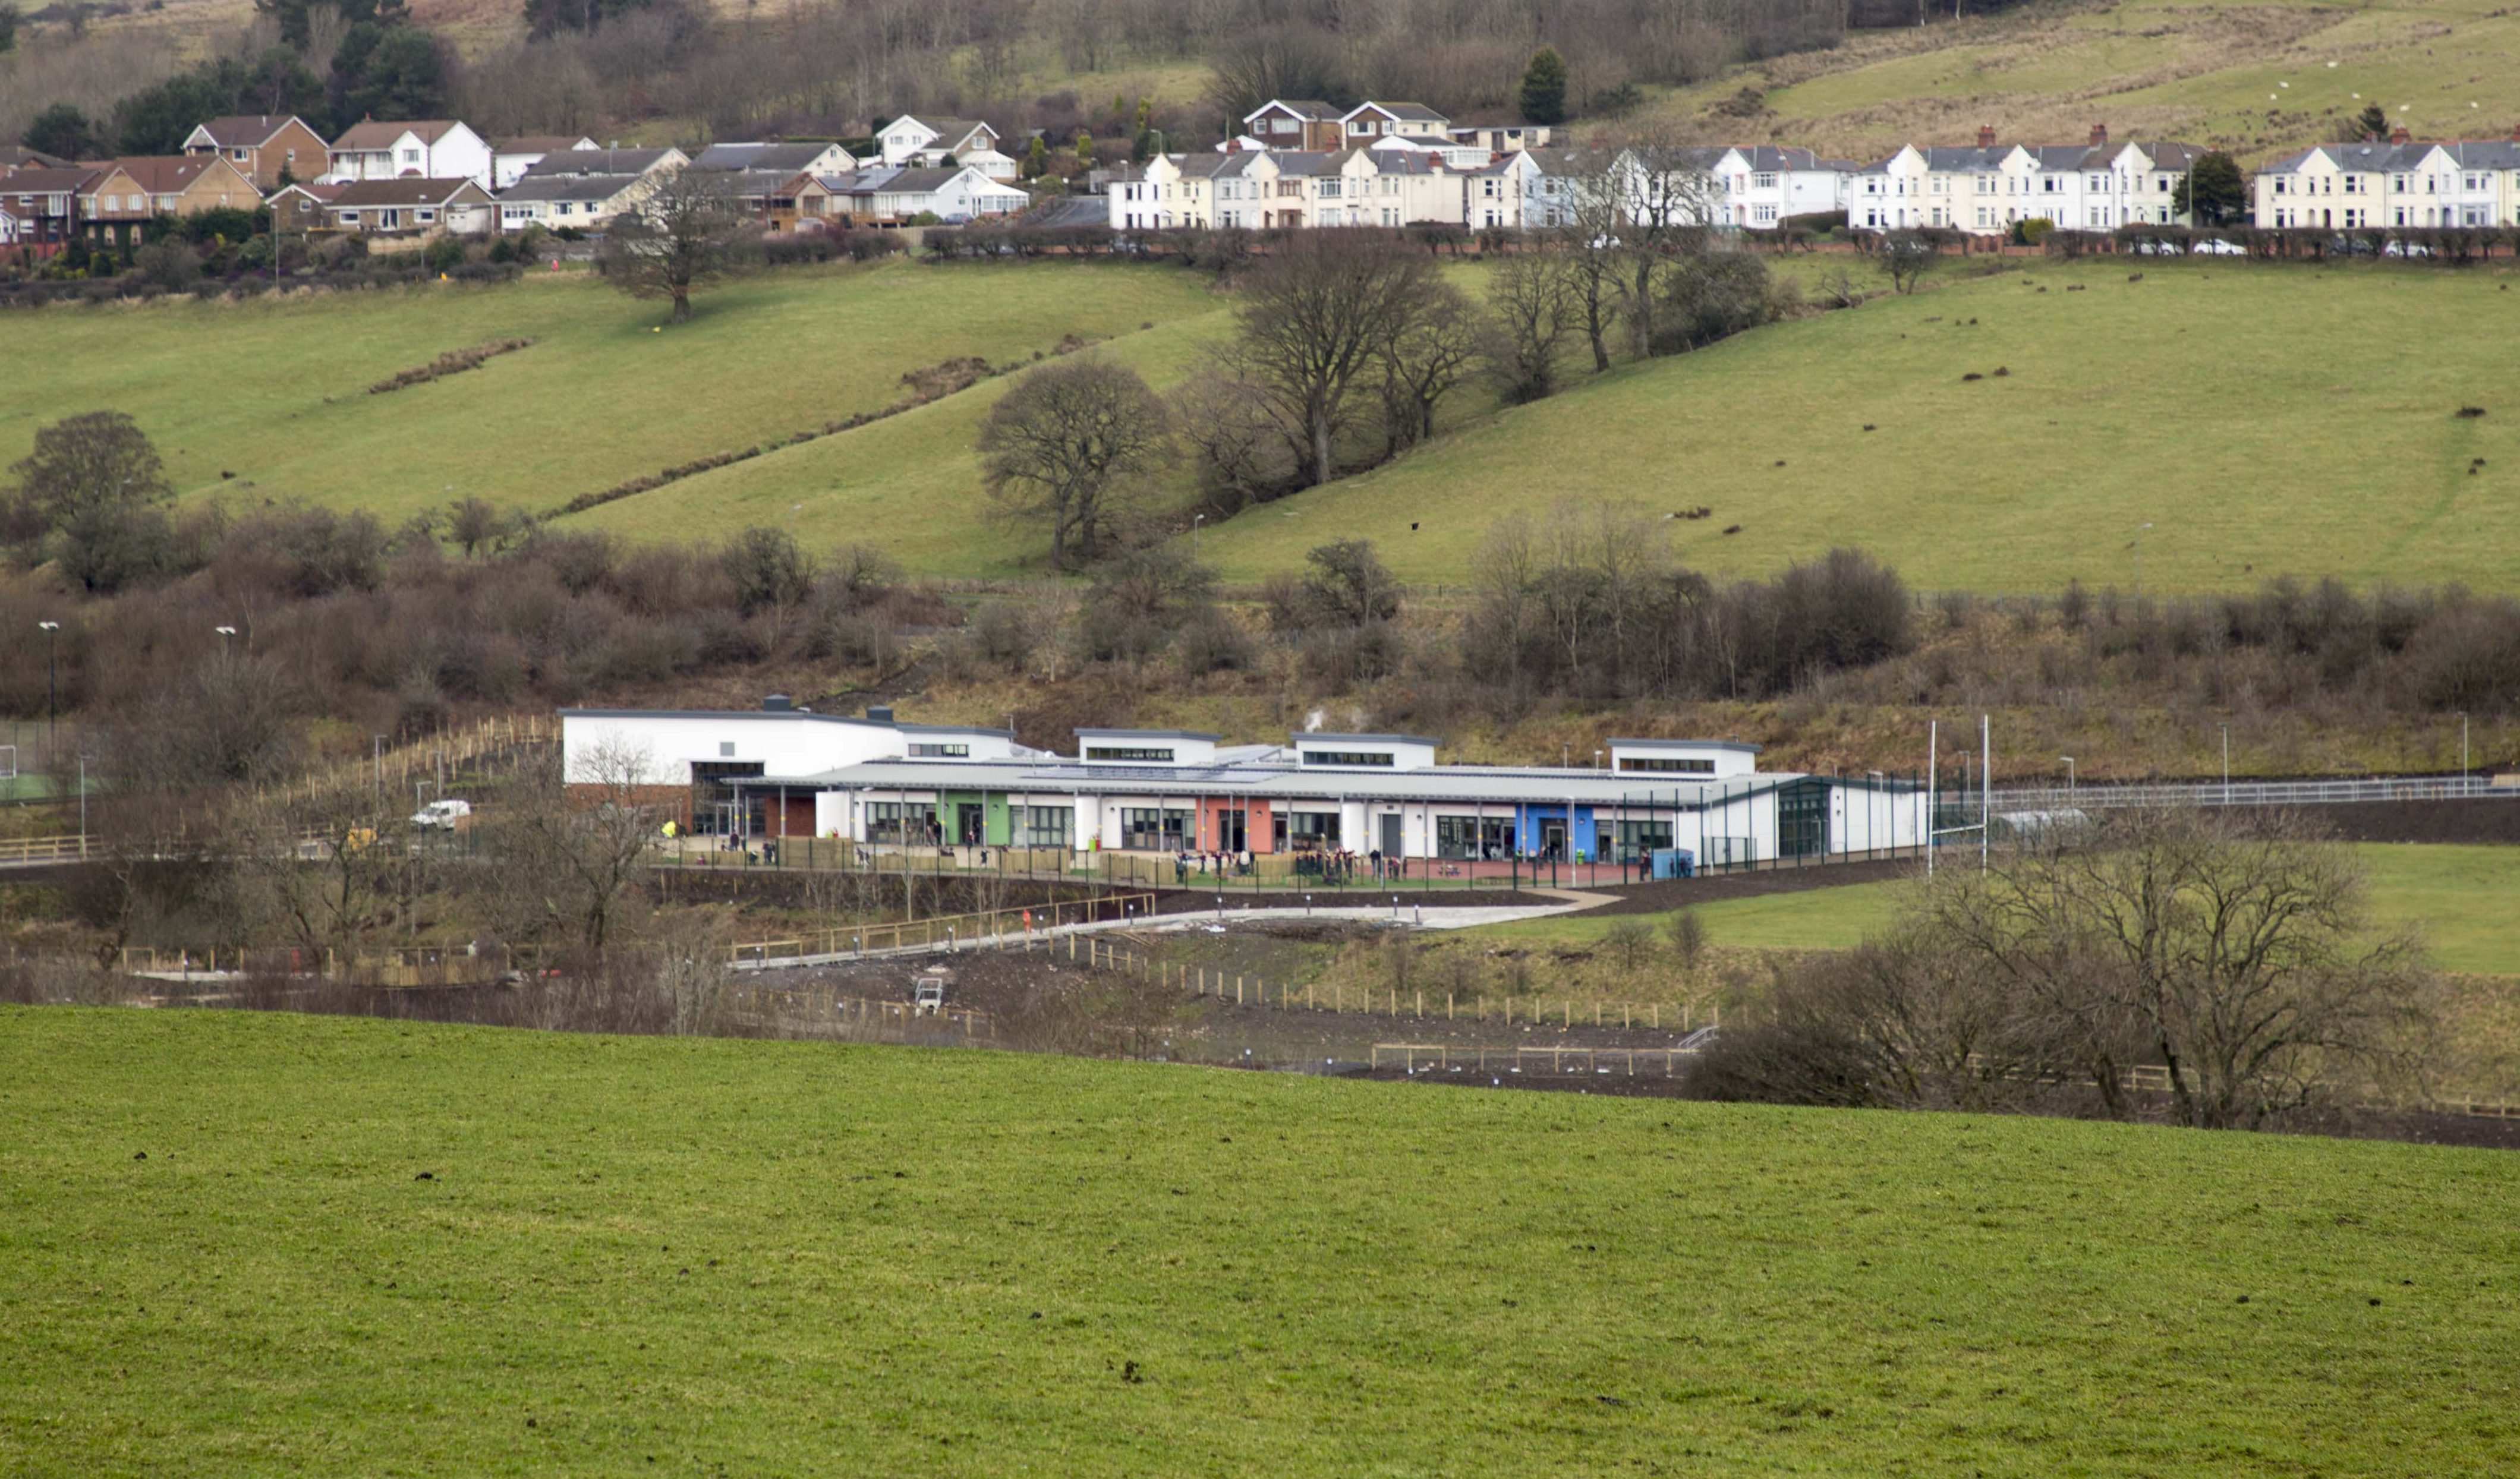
2240	793
25	851
856	1015
1445	1058
993	926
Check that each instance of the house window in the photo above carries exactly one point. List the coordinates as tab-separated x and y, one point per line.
1330	190
1347	757
1047	826
411	157
1123	754
940	752
1667	765
1763	182
428	214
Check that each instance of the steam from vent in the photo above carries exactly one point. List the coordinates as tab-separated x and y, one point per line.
1312	721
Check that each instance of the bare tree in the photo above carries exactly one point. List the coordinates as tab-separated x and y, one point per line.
1069	444
1665	194
688	233
323	870
1532	309
1317	322
1906	256
1424	359
569	849
2232	949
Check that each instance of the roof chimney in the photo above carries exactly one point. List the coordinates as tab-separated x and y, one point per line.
1986	136
777	703
2099	134
2398	135
2515	133
878	713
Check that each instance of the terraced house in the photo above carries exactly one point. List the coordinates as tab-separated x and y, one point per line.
1289	190
2400	183
1994	187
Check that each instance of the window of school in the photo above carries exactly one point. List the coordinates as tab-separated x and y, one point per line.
940	752
1046	826
1123	753
1668	765
1347	757
1313	829
1152	828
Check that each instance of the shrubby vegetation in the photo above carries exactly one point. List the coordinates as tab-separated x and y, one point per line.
2228	952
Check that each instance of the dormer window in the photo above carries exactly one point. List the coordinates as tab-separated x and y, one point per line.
1126	754
940	752
1381	758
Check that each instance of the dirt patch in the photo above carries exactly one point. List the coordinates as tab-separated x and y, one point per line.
2491	821
1680	893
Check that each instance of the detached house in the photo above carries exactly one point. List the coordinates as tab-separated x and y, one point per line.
1299	123
44	204
930	142
884	193
1368	121
411	207
264	146
439	148
584	187
121	195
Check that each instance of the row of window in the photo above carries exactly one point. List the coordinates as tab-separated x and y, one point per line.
2363	184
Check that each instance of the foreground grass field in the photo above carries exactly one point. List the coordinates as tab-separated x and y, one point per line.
363	1247
2459	896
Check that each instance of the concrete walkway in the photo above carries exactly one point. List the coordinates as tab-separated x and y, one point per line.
1409	915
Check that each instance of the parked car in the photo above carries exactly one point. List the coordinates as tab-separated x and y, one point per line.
2154	246
442	815
2406	250
2216	246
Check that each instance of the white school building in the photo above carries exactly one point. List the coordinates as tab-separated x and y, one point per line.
783	771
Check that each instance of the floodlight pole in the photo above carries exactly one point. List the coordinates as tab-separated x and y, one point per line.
1933	813
1985	792
2462	753
2226	763
51	686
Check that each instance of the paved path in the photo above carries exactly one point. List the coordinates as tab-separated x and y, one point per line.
1413	916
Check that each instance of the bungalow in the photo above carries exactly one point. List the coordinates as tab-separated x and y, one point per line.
271	150
411	207
793	158
303	209
1502	138
436	148
510	159
884	193
782	199
120	196
931	142
584	202
583	163
784	772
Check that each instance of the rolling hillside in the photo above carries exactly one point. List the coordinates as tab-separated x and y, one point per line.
2261	420
362	1246
2255	78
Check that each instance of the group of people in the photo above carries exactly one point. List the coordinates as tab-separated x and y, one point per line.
1185	863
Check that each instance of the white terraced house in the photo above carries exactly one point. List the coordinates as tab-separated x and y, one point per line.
1280	190
1987	190
2400	183
1766	185
783	772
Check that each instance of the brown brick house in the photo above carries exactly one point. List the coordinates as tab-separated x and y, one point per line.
263	147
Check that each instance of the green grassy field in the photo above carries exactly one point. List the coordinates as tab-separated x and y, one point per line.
695	1256
2459	896
2247	413
2256	78
2264	420
274	392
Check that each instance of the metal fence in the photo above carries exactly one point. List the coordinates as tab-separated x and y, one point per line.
2242	793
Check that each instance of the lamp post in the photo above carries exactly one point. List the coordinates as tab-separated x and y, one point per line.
2069	777
2227	764
2462	752
52	631
1196	520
